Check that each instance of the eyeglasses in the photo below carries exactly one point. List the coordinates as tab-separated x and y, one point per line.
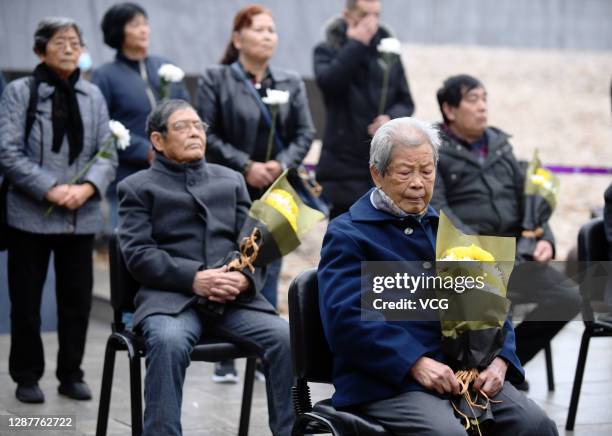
185	126
61	43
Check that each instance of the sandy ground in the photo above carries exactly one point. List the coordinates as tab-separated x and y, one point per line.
555	101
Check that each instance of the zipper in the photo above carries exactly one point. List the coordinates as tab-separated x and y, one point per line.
42	142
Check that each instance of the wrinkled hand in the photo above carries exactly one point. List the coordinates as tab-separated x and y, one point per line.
258	176
57	194
219	284
435	376
77	196
543	251
362	30
274	168
491	380
377	122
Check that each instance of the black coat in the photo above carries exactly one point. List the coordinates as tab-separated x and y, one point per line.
176	219
226	104
350	78
482	199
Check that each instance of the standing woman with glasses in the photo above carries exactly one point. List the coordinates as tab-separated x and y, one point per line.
52	124
131	87
230	101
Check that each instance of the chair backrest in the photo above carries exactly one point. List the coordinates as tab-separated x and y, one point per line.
592	253
312	358
123	287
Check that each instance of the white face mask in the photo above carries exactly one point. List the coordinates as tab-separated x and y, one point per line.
85	61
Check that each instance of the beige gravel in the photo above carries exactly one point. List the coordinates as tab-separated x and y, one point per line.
556	101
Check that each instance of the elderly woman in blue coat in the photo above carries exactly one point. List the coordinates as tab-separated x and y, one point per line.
51	126
395	371
131	87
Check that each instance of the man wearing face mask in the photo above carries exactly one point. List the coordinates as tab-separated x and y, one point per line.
348	71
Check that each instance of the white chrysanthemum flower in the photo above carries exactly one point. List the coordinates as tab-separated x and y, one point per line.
276	97
171	73
121	134
390	45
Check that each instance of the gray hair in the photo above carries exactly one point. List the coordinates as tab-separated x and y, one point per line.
47	27
406	131
157	121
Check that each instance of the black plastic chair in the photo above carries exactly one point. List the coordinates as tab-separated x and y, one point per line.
592	248
312	362
209	349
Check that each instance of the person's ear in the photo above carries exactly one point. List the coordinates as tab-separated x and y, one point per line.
157	141
349	17
40	55
449	111
376	176
236	40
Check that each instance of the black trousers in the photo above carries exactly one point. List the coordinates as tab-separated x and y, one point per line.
28	260
343	193
557	301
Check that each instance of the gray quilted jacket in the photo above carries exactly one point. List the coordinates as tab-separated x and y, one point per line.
33	168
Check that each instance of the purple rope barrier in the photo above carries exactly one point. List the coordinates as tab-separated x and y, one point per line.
562	169
559	169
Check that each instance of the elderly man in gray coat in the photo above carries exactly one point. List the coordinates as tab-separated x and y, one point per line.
178	221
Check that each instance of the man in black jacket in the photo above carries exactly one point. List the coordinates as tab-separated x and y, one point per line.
348	70
480	187
178	222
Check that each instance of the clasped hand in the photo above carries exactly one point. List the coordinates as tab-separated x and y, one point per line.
439	377
70	196
220	284
263	174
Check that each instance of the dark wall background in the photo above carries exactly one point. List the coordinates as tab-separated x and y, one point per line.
193	33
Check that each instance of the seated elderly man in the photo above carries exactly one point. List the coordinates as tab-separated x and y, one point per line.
395	372
178	220
480	186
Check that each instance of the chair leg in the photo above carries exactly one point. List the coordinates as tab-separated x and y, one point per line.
582	356
550	376
105	390
247	397
301	424
135	393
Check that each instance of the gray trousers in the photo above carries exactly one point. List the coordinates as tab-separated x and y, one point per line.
170	340
422	413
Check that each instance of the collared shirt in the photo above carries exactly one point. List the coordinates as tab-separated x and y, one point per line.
480	147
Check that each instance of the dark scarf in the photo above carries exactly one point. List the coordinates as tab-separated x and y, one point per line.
65	113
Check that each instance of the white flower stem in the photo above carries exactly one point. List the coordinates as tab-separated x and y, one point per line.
273	112
163	88
384	90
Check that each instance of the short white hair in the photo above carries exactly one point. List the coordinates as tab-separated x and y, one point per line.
405	131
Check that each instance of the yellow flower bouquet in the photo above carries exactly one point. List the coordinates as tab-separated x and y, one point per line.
472	325
540	198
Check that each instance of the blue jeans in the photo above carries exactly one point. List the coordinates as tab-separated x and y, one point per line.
170	340
270	287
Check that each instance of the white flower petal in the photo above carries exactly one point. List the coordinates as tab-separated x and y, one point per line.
390	45
276	97
121	134
171	73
